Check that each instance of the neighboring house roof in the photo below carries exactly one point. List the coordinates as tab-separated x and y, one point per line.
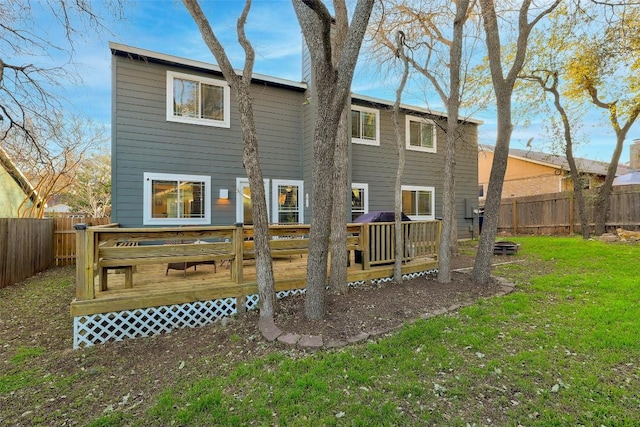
163	58
631	178
588	166
18	177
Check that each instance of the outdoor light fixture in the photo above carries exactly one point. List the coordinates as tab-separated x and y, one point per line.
224	193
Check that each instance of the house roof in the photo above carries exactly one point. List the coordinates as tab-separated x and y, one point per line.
18	177
163	58
593	167
413	108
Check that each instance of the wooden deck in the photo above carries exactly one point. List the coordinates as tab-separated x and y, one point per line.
153	288
143	254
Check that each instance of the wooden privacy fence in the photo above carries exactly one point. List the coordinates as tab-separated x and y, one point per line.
25	248
557	213
64	238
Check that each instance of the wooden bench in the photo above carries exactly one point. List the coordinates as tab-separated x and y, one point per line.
127	256
127	270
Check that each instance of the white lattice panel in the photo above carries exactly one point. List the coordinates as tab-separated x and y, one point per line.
251	301
144	322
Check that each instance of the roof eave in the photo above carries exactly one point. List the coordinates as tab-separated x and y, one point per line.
125	50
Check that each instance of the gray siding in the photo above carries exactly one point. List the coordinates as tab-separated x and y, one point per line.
144	141
377	166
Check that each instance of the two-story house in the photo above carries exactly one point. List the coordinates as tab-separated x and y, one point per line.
177	148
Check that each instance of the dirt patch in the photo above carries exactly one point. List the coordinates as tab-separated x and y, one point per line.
55	385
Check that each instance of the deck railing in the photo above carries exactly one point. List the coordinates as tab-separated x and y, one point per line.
109	247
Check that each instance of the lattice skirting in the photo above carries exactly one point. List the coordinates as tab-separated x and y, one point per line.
143	322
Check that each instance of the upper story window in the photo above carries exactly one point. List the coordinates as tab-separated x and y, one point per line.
176	199
197	100
365	125
421	134
418	202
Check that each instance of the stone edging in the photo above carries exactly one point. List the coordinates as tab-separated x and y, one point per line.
271	332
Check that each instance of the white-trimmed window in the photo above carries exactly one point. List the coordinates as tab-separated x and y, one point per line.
171	199
197	100
365	125
287	201
420	134
244	205
418	203
359	200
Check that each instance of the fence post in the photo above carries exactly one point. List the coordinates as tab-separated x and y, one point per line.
515	217
571	214
238	240
84	286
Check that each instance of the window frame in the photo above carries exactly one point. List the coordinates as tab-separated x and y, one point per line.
149	177
421	120
365	188
224	123
417	188
240	182
275	183
363	141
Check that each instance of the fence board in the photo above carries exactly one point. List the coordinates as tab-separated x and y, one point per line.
64	245
552	213
25	248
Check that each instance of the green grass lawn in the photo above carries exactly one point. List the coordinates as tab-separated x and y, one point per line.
562	350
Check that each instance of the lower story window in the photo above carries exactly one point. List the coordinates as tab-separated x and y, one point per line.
418	202
359	200
176	199
244	203
287	201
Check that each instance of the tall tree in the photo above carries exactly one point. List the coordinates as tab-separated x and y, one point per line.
604	69
435	39
399	235
241	86
90	191
341	193
50	157
546	67
549	81
332	85
28	104
503	86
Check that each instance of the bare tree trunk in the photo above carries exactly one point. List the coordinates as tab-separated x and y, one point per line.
333	84
449	236
341	196
399	236
503	89
573	168
602	199
241	88
549	83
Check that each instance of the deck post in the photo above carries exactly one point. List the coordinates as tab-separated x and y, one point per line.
238	240
84	287
366	246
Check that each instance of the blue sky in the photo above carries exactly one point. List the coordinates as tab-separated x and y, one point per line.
165	26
